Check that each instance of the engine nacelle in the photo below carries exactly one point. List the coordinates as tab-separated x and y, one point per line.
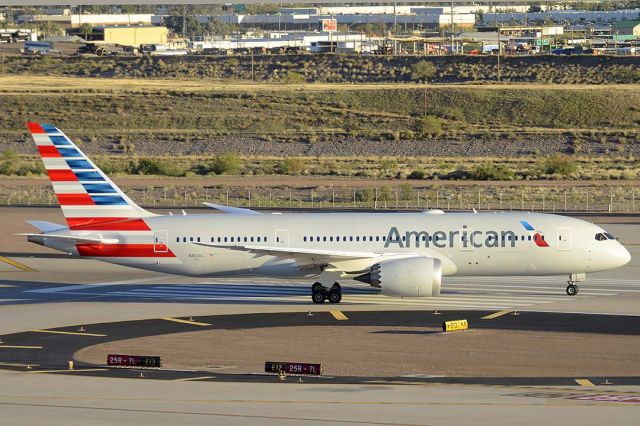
409	277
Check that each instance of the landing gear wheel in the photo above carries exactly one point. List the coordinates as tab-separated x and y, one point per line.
335	294
317	293
572	289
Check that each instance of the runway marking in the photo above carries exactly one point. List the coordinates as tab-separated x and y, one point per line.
497	314
16	264
93	285
339	315
19	347
201	324
584	382
192	379
75	333
86	370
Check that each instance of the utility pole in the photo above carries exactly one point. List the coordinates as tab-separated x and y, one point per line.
452	29
184	21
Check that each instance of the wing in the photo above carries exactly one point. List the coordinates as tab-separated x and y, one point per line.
345	261
232	210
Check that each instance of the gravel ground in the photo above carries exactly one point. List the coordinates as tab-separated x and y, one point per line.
345	146
388	351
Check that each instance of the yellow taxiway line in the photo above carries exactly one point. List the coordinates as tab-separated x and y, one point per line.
201	324
339	315
498	314
15	264
74	333
584	382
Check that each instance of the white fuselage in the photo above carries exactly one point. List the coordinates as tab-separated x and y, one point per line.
466	243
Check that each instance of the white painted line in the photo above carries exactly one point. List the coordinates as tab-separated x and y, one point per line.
94	285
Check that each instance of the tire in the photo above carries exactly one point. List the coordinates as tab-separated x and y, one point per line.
335	296
318	294
572	290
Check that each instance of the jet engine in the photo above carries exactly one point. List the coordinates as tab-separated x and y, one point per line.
409	277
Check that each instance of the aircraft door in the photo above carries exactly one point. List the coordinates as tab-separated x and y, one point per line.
564	239
160	240
282	237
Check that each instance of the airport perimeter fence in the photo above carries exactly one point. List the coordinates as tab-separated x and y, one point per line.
546	198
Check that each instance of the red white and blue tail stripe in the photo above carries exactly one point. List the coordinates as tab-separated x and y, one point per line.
89	199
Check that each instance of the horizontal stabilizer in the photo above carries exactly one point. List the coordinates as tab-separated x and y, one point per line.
70	238
231	210
45	226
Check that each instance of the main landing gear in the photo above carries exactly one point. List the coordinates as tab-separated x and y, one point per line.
320	293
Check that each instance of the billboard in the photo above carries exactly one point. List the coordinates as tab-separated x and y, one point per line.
329	25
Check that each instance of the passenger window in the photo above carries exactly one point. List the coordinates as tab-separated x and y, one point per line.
304	239
350	238
330	238
178	240
198	239
377	238
251	239
529	238
370	238
258	239
245	239
190	238
357	238
231	239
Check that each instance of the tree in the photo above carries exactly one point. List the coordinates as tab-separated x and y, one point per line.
86	30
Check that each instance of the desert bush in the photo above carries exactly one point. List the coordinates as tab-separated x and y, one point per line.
160	167
490	171
430	126
560	164
423	70
291	166
226	164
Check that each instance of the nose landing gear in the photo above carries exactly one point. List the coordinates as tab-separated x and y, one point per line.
319	293
574	279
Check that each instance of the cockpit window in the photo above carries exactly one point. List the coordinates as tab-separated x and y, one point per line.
609	236
600	236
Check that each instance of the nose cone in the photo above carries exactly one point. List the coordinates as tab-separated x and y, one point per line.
621	256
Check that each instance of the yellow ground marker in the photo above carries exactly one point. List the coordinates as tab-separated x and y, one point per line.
74	333
584	382
66	371
498	314
201	324
339	315
15	264
193	379
19	347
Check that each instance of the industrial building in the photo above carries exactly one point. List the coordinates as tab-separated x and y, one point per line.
134	35
69	20
629	29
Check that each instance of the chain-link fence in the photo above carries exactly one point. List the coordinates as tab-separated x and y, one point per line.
547	198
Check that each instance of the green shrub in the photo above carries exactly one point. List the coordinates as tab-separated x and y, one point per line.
291	166
293	77
560	164
490	171
423	70
160	167
417	174
430	126
227	163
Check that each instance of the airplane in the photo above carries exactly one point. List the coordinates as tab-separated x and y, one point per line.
401	254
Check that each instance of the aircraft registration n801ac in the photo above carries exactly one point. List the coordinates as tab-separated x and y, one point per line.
402	254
